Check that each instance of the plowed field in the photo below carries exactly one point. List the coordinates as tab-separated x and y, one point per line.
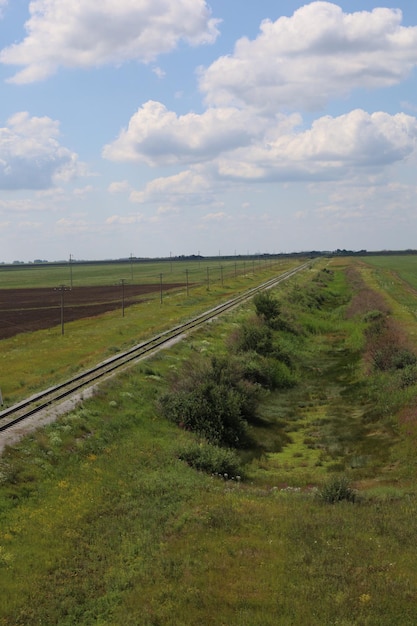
26	310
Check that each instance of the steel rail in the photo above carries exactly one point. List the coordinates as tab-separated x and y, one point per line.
46	398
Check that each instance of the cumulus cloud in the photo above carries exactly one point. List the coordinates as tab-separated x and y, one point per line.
318	53
187	183
31	156
64	33
333	147
188	189
125	219
119	186
157	136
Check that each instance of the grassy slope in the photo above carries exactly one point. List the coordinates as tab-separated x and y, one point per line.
101	524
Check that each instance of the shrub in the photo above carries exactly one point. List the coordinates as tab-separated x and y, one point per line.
252	336
386	346
257	369
208	458
404	358
214	401
267	307
267	372
283	376
408	376
373	316
336	490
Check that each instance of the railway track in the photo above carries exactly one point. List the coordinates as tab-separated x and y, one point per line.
44	399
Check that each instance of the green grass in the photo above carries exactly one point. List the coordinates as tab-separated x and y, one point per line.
396	277
404	265
101	523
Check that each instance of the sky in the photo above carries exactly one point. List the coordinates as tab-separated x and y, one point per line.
152	128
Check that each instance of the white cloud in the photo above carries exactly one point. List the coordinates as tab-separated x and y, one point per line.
190	190
349	147
83	191
384	202
157	136
188	183
160	73
333	148
31	156
125	219
220	216
300	62
72	226
23	205
119	186
68	33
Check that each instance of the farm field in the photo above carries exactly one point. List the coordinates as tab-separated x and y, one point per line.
31	296
104	521
135	273
94	326
404	266
28	310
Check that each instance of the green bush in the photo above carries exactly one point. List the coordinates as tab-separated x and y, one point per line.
337	489
252	336
374	316
211	459
403	358
268	372
408	376
267	307
283	378
214	401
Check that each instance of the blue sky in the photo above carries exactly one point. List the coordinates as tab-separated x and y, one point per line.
183	126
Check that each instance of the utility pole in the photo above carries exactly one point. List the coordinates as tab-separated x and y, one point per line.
186	278
70	269
62	289
160	282
131	266
122	283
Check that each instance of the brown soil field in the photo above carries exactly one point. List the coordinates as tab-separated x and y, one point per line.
26	310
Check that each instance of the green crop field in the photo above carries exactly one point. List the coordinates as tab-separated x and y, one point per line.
133	271
404	265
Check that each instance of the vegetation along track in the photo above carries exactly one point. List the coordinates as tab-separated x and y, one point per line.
36	403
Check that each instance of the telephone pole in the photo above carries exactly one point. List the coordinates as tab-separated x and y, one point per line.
122	283
62	289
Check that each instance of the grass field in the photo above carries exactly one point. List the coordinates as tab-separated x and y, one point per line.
404	266
134	272
101	523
